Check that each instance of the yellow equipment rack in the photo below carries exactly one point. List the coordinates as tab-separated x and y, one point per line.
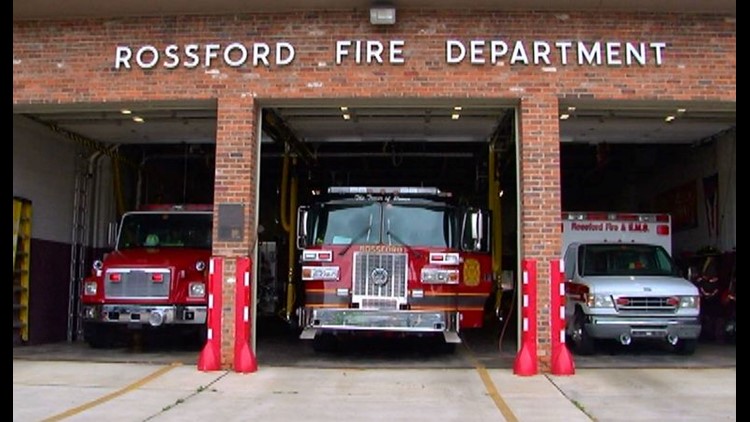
21	259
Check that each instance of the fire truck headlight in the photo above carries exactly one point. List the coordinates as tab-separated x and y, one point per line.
197	289
439	276
599	301
689	302
320	273
89	288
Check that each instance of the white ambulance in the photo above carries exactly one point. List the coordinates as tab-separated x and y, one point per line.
622	284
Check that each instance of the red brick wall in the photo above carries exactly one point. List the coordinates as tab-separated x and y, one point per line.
73	62
235	183
539	173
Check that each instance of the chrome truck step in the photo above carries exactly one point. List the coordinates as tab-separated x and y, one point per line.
308	334
451	337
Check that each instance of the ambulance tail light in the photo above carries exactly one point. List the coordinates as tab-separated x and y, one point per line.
662	218
662	230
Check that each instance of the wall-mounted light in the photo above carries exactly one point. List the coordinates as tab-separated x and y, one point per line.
456	112
381	14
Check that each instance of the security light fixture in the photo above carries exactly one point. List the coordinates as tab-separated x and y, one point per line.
382	14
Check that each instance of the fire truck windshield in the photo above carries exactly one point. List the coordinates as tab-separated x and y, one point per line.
165	230
412	224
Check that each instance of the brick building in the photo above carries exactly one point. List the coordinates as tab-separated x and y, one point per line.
238	61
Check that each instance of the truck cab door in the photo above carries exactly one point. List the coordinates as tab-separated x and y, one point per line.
570	260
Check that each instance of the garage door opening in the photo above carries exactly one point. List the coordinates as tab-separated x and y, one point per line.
660	158
86	166
441	144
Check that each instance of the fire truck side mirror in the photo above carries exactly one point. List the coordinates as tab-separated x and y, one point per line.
112	234
477	229
302	227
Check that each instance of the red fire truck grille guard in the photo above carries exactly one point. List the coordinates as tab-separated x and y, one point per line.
137	283
379	280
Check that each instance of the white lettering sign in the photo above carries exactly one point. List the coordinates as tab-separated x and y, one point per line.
477	52
193	55
369	51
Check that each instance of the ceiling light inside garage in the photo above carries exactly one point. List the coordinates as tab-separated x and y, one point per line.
125	111
138	119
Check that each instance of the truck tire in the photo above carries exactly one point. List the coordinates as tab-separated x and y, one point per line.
98	337
685	346
581	342
325	343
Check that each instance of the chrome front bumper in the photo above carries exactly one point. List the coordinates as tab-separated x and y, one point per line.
154	315
315	320
615	328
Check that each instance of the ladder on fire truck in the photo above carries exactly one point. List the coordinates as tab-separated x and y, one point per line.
21	261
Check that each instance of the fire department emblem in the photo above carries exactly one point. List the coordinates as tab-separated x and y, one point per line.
379	276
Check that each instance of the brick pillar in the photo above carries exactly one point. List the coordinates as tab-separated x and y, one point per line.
235	188
539	175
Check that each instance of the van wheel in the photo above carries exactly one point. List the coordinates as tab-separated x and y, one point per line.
582	342
325	343
685	346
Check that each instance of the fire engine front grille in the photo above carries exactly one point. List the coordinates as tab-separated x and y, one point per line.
646	304
152	283
379	277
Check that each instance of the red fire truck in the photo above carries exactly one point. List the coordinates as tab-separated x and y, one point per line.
398	260
154	279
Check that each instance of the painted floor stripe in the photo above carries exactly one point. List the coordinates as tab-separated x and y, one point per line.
491	389
113	395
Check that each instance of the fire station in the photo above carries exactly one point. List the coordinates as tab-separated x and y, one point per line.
248	113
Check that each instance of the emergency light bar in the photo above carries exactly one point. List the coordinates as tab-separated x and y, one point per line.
385	190
604	216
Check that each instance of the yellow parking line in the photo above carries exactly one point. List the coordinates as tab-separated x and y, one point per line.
491	389
110	396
